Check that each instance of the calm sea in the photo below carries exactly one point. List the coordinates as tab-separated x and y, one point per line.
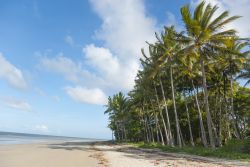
23	138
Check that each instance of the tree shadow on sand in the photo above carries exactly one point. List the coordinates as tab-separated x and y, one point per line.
155	156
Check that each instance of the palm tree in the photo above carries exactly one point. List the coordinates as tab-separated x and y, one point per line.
189	71
152	68
232	63
205	33
170	48
116	108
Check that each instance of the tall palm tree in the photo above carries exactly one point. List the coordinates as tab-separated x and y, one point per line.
116	108
152	67
170	48
205	33
188	69
232	63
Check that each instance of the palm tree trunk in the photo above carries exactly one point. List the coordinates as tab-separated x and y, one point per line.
169	137
147	131
226	115
145	125
175	111
152	134
208	114
156	122
237	134
220	122
162	118
203	133
162	139
156	128
124	131
118	133
189	124
182	139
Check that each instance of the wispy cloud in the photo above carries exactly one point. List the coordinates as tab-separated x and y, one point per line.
40	92
14	103
62	65
85	95
69	40
56	98
71	70
11	74
41	128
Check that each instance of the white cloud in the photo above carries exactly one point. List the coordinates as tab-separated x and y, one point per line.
41	128
69	40
101	58
63	65
124	30
112	66
69	69
240	8
11	74
85	95
17	104
115	74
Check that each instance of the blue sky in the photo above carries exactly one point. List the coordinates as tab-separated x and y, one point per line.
61	59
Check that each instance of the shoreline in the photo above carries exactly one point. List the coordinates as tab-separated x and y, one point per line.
97	154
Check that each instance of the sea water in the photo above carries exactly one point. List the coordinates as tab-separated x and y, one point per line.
7	138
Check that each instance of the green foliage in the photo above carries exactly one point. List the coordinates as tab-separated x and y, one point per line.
186	91
234	149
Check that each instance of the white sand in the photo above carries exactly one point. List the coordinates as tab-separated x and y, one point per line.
75	154
40	155
125	156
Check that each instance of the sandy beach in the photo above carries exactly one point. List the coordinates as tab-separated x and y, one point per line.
80	154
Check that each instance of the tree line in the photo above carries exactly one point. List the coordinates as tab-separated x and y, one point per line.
186	92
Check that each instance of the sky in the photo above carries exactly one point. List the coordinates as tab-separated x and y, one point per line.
61	59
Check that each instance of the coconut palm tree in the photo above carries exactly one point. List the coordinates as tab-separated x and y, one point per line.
170	48
117	108
232	63
152	67
205	33
188	69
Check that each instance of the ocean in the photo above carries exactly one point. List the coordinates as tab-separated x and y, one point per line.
9	138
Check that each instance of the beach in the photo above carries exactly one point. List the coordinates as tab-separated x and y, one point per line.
98	154
43	155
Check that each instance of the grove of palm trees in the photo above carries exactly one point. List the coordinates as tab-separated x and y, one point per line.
187	91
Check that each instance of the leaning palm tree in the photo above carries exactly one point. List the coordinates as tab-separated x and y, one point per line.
170	49
205	33
188	69
152	68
